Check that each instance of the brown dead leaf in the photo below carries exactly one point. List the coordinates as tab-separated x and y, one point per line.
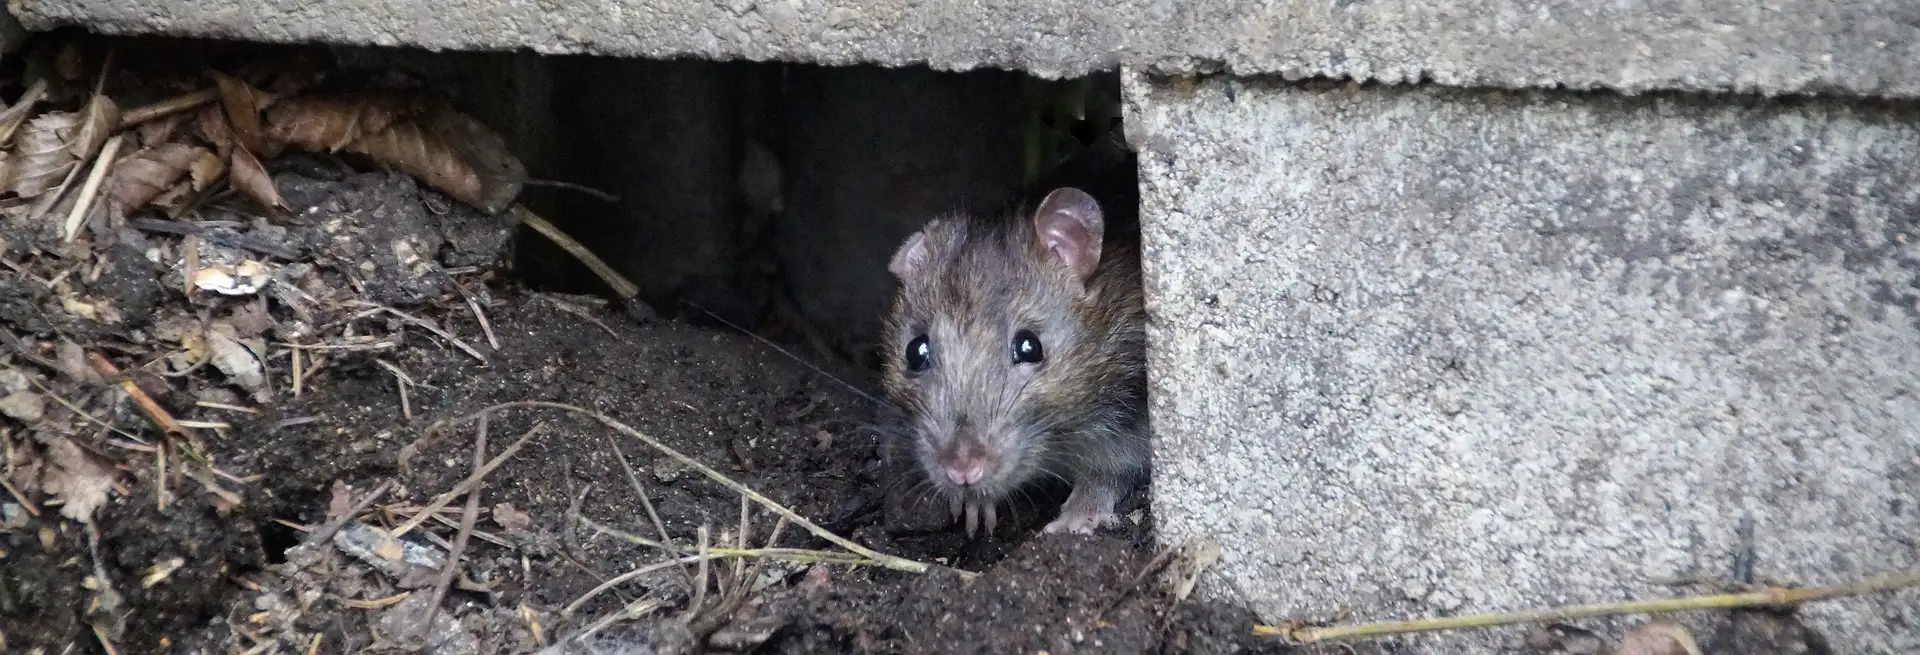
14	116
442	148
511	518
98	121
6	169
206	169
211	123
161	130
174	201
242	104
1658	637
43	157
340	502
140	178
332	123
250	178
77	479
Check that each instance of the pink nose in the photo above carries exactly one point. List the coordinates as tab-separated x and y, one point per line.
965	473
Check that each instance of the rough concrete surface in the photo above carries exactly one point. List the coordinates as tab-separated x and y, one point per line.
1447	351
1864	47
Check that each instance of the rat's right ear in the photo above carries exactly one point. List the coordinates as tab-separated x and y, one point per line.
911	256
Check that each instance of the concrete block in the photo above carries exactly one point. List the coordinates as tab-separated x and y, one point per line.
1864	47
1425	352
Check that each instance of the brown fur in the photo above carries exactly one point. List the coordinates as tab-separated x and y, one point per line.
1080	416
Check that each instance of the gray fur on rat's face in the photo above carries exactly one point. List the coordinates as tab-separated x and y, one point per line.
1004	335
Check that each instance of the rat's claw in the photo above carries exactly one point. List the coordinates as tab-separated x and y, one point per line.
1081	522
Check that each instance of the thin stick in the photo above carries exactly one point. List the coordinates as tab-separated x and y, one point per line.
91	189
459	538
152	409
401	381
486	327
294	352
602	195
168	107
1770	597
784	554
430	327
622	287
32	509
472	481
658	525
881	559
326	531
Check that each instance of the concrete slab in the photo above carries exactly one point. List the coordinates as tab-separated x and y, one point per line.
1425	352
1864	47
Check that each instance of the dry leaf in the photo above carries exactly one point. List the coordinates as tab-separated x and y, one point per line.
174	201
161	130
242	104
1658	637
206	169
6	169
24	406
511	518
138	179
211	124
99	121
43	157
236	360
331	123
250	178
444	149
13	117
80	482
340	502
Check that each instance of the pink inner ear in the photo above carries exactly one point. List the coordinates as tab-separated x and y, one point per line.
910	257
1070	225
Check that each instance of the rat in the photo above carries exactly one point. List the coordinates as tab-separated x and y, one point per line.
1016	350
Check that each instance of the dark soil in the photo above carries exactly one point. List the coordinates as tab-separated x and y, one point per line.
724	399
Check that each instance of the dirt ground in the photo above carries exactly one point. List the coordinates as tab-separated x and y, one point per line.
223	568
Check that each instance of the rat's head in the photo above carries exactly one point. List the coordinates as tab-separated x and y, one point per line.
987	341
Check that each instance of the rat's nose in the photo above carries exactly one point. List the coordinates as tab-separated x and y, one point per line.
966	471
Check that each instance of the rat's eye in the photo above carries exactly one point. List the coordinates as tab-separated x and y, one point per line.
919	354
1026	348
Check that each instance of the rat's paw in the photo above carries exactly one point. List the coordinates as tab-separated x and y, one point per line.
1081	522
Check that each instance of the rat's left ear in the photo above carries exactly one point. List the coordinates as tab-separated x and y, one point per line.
1070	227
912	254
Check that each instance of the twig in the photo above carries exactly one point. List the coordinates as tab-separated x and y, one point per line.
459	538
428	326
472	481
769	343
152	409
401	381
574	187
32	509
784	554
293	353
576	311
91	189
486	327
646	502
168	107
16	114
880	559
326	531
622	287
190	230
1770	597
